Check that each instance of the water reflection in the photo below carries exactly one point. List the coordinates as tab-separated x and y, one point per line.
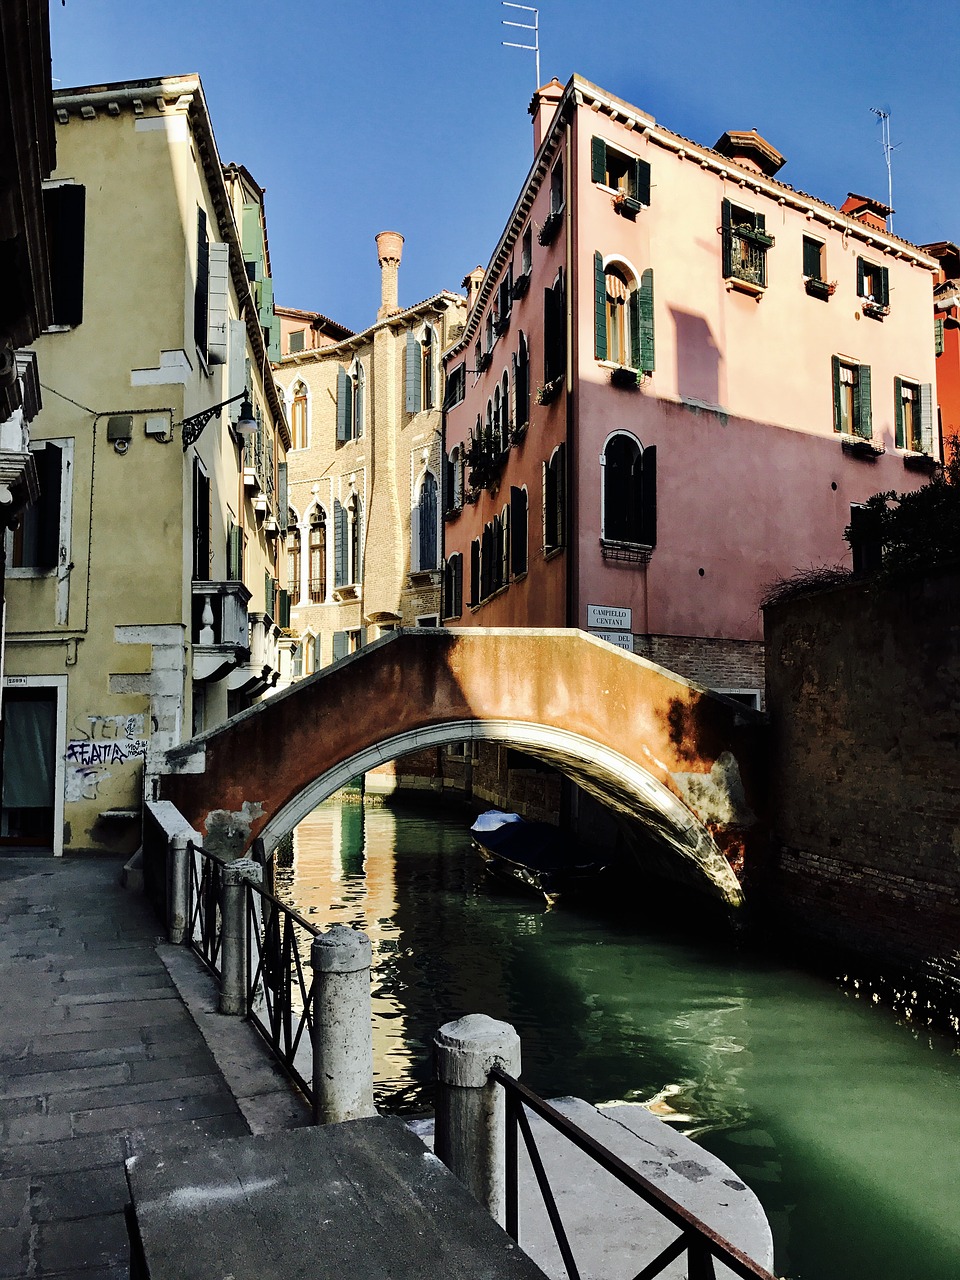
844	1123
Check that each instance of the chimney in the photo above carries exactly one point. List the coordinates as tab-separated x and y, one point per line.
747	149
872	213
389	253
472	282
543	107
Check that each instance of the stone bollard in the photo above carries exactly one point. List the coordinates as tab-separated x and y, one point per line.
178	870
471	1110
233	946
342	1026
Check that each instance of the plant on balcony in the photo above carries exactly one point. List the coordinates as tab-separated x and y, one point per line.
819	288
501	324
484	458
520	286
485	361
754	235
626	205
516	431
548	231
547	392
624	376
876	310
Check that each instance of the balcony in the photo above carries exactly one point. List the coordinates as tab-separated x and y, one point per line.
219	630
261	670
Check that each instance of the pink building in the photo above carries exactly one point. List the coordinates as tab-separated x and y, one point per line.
677	376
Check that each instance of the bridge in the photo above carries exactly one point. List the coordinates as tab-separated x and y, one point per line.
684	765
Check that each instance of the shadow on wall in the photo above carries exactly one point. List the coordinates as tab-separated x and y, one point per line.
698	359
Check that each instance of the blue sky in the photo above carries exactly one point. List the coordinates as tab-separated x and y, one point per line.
364	116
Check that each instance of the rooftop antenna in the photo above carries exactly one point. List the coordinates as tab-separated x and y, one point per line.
888	150
525	26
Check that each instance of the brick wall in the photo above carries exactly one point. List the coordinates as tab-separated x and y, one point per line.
863	689
718	664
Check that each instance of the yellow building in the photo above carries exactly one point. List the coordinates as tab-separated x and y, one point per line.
364	540
142	586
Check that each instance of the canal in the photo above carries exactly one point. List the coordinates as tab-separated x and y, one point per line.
844	1122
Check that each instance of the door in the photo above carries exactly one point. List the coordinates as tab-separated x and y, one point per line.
29	767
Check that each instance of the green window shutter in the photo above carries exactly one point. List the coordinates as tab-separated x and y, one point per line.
648	497
727	237
340	545
641	181
358	425
837	417
202	285
635	323
49	464
759	222
884	283
475	572
283	502
861	278
560	483
64	211
938	337
645	294
457	586
341	645
412	374
600	304
899	434
864	411
598	155
811	258
926	417
343	399
283	608
518	522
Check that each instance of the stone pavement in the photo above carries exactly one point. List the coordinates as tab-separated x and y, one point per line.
101	1059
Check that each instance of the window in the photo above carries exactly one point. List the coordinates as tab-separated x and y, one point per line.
423	526
623	316
556	187
497	433
201	522
318	556
938	330
475	572
554	500
293	556
521	384
629	494
518	526
64	212
852	413
913	415
813	252
202	285
745	245
456	387
317	648
554	332
234	552
355	508
350	406
419	371
427	354
626	174
873	284
453	480
298	417
37	539
506	423
488	332
453	586
526	252
295	340
504	300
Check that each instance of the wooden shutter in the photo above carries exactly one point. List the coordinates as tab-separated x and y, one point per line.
317	652
64	211
726	222
283	502
412	373
560	495
863	425
475	572
938	337
648	496
641	182
645	307
49	464
283	608
457	586
811	258
202	285
600	304
415	538
549	506
201	522
883	285
341	645
518	521
926	417
428	522
358	423
861	278
218	296
235	553
899	433
837	416
598	157
341	550
343	394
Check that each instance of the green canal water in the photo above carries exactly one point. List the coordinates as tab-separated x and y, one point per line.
844	1122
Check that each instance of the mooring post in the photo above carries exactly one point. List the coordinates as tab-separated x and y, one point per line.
178	869
471	1109
233	946
342	1026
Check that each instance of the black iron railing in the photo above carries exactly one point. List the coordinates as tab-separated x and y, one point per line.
205	905
702	1245
280	982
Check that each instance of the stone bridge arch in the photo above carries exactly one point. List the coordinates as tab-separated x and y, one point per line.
682	761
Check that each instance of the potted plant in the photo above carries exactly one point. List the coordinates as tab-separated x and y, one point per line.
624	376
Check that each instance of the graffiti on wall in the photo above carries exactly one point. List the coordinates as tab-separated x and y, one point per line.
101	743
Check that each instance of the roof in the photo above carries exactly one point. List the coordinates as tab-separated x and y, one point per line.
440	301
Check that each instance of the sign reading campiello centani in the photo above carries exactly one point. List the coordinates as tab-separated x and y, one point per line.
609	617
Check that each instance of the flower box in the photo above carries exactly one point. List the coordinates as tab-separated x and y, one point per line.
520	286
547	392
819	288
548	231
623	376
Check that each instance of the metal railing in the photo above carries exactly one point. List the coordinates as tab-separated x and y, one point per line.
205	905
701	1244
280	984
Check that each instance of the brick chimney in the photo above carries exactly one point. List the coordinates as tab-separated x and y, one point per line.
472	282
872	213
389	253
543	107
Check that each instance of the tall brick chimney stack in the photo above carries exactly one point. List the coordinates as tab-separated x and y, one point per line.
543	107
389	253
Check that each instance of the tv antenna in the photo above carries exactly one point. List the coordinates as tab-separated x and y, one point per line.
524	26
888	150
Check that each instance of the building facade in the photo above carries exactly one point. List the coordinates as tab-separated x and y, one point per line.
364	539
143	602
677	377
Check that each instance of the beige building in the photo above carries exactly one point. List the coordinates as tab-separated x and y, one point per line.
364	539
142	592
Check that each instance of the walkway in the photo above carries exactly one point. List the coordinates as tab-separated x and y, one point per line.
99	1059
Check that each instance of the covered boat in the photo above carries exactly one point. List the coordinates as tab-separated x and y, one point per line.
535	855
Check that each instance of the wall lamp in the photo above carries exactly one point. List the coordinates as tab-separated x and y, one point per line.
246	424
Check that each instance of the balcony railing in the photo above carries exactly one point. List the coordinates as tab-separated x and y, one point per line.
220	613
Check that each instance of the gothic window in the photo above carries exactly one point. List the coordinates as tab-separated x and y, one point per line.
318	556
629	512
298	417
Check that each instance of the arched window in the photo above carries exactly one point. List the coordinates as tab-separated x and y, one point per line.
624	316
318	556
618	295
293	556
299	427
505	420
427	378
423	526
629	491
